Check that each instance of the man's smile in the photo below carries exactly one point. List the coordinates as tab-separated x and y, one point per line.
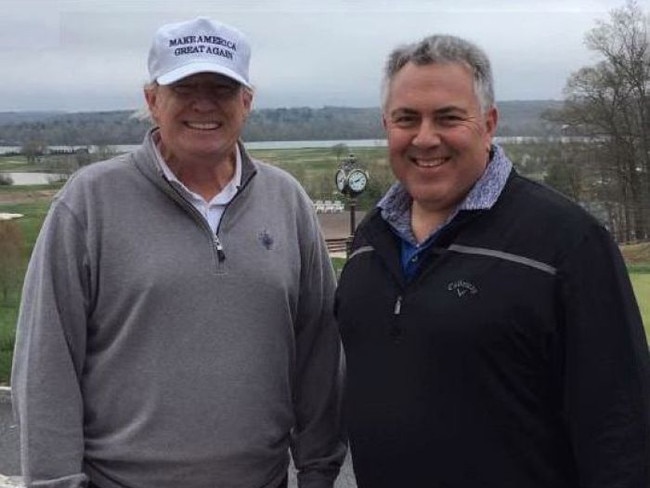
428	162
203	125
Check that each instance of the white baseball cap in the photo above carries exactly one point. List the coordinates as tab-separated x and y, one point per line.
198	46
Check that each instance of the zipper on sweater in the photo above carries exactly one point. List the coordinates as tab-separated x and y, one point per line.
396	330
221	256
200	220
216	242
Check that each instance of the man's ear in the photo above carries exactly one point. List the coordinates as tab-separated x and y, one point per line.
151	95
247	97
491	120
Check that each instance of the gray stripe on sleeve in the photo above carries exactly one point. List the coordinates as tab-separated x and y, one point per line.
361	250
504	255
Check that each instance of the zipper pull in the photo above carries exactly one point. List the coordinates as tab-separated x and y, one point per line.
398	306
221	256
396	331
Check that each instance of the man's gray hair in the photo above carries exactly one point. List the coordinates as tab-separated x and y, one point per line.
443	49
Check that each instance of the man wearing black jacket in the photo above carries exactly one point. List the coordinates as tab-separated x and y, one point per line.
491	333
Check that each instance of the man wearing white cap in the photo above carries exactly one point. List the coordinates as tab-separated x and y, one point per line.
176	326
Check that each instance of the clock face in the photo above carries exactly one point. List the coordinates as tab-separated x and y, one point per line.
357	180
340	180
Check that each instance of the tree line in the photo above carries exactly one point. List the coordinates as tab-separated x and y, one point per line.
518	118
608	104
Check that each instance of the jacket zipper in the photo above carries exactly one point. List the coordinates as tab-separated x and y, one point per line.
216	242
396	330
221	255
200	220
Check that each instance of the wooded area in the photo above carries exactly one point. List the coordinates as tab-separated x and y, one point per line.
609	104
517	118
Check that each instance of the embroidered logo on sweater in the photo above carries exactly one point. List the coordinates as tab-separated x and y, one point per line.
266	240
462	288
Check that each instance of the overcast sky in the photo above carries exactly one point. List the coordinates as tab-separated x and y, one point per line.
89	55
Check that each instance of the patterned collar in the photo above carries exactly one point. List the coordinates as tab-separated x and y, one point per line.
396	204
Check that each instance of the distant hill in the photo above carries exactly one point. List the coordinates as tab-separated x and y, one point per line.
517	118
26	117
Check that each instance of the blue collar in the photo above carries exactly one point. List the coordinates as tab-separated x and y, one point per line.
396	204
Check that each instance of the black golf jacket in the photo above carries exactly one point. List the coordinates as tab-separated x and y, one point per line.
516	358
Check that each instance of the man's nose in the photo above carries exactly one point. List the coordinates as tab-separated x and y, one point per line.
427	134
205	98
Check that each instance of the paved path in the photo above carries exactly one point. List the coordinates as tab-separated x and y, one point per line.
9	460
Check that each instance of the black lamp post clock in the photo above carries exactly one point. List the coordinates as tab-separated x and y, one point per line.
351	181
341	180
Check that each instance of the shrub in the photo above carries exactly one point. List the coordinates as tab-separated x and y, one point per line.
12	244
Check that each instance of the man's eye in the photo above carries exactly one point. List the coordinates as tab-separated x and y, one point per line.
449	119
224	90
215	91
182	89
404	120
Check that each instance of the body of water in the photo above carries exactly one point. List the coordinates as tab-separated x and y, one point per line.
122	148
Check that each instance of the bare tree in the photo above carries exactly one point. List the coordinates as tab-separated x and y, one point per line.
610	104
340	150
33	150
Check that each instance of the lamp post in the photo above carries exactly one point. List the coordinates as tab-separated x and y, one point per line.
351	181
353	207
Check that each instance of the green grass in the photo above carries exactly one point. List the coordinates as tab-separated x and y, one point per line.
318	155
641	284
15	164
34	214
19	164
638	268
8	317
338	265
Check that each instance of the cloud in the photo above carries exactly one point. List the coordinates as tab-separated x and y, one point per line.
70	55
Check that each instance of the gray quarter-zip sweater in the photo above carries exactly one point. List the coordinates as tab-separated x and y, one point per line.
152	353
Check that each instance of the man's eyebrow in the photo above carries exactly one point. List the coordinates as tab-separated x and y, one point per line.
403	111
450	109
439	111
